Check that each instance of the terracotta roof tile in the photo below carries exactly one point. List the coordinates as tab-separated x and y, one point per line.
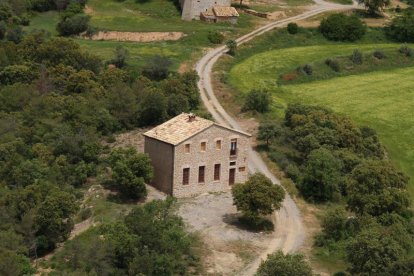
180	128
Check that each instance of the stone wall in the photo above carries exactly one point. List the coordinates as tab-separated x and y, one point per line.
209	158
162	159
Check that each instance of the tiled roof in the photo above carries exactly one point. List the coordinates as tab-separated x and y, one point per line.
225	11
181	127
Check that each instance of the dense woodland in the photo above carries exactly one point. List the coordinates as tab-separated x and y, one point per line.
332	160
57	104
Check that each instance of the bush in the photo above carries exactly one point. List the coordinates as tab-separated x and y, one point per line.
406	51
306	69
340	27
3	29
379	54
284	265
401	28
232	46
15	34
157	68
292	28
215	37
258	100
356	57
73	25
333	64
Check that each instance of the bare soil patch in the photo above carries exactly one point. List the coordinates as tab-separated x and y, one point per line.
136	36
229	247
133	138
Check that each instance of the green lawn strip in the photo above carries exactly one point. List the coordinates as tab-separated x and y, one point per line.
46	21
321	71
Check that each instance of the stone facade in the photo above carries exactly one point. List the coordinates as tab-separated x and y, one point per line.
213	156
209	158
191	9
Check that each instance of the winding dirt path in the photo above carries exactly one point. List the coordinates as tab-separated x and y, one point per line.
290	233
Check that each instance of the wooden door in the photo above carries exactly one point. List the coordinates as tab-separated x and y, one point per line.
232	176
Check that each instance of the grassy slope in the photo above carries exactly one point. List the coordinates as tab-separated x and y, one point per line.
383	100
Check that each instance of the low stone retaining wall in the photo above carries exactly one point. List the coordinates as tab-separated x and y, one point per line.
136	36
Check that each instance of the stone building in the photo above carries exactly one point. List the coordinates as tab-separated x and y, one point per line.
192	155
208	10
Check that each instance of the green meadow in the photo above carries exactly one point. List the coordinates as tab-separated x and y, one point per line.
382	99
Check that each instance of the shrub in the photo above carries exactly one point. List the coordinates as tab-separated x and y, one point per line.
157	68
401	28
356	57
215	37
15	34
333	64
3	29
406	51
307	69
340	27
283	265
379	54
258	100
292	28
232	46
73	25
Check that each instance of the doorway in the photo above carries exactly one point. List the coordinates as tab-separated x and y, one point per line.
232	176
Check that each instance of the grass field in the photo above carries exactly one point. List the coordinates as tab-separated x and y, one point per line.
383	100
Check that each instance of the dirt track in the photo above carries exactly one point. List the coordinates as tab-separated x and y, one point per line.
290	233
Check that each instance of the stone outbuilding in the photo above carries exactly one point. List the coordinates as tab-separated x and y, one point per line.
192	155
209	10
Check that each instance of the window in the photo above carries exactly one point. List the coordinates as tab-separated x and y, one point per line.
186	176
203	146
242	169
233	163
218	144
233	146
201	172
187	148
217	169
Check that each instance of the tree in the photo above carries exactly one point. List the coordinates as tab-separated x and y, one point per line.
258	196
321	176
292	28
3	29
15	34
157	68
130	171
73	25
269	131
374	6
258	100
121	55
334	224
372	252
284	265
401	28
375	188
232	47
153	108
342	27
215	37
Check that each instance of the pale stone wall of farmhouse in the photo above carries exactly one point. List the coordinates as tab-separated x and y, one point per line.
191	9
162	159
209	158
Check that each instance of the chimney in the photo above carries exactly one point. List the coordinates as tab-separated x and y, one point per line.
191	117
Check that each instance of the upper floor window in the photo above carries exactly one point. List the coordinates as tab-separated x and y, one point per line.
203	146
187	148
233	146
218	144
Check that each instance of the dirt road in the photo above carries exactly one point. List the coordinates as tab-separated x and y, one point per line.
290	232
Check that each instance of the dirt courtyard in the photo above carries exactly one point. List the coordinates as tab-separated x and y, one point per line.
228	247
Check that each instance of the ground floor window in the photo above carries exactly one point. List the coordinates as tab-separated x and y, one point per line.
217	168
201	172
186	176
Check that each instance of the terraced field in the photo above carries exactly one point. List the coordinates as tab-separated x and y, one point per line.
383	100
